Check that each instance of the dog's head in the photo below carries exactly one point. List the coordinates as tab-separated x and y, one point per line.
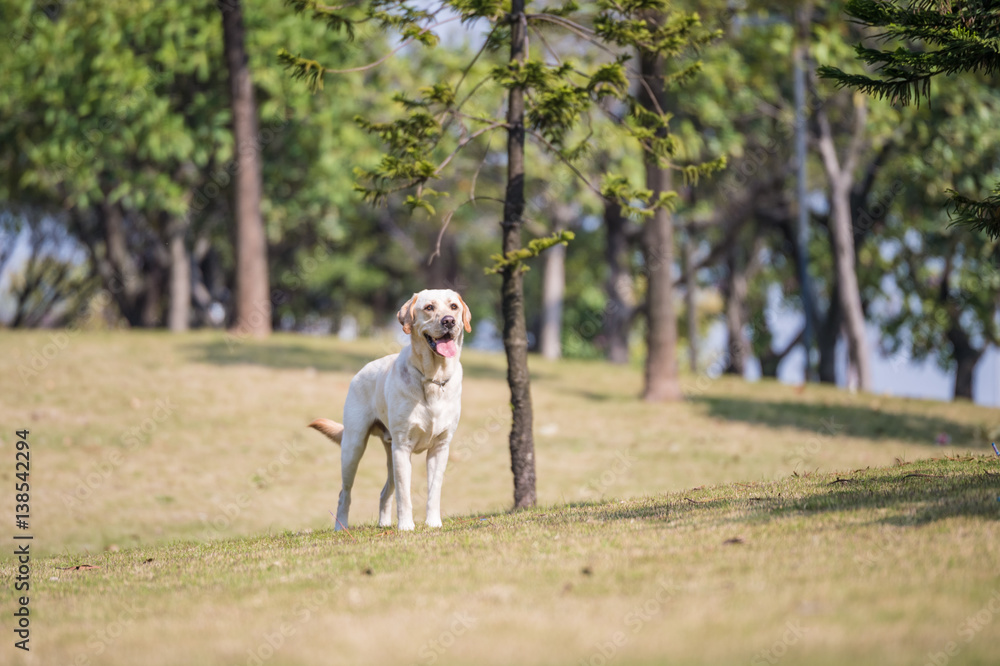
437	317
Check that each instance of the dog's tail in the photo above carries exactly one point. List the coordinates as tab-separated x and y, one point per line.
331	429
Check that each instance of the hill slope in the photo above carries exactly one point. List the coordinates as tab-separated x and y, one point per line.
879	566
180	467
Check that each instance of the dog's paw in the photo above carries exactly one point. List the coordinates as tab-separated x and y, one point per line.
433	522
406	526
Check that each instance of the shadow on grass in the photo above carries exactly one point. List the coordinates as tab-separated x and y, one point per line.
278	355
289	355
915	495
835	420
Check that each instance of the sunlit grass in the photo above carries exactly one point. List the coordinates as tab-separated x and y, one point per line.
740	524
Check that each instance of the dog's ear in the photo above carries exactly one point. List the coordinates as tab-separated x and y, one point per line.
466	315
405	314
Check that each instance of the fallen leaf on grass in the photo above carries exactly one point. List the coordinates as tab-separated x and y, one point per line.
80	567
732	541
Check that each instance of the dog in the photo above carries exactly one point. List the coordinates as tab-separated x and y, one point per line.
412	401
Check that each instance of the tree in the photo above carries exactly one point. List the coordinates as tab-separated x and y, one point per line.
546	98
745	99
662	37
554	285
515	332
114	120
950	306
661	380
936	38
111	132
51	284
619	286
840	172
941	283
253	300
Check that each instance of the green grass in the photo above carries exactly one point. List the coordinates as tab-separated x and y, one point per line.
753	523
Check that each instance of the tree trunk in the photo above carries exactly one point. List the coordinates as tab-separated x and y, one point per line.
118	268
690	303
619	287
849	292
827	334
966	358
734	292
253	303
661	378
554	286
151	315
515	334
840	175
771	359
179	314
800	57
553	291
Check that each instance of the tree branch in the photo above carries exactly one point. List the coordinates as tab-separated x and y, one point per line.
827	149
466	141
856	144
393	52
565	161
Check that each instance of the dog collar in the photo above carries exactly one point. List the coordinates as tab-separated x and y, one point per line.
430	381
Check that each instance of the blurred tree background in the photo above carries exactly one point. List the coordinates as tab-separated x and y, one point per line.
118	164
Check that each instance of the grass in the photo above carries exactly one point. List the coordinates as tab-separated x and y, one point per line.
751	523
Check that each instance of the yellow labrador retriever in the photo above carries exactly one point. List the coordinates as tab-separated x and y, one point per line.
412	401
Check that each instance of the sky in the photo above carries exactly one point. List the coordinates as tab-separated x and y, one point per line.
898	376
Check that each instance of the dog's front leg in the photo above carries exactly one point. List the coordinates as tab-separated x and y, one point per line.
385	499
401	467
437	461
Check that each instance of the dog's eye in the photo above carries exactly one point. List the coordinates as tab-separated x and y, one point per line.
429	307
454	306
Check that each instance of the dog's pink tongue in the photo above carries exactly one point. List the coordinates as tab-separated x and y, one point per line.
447	348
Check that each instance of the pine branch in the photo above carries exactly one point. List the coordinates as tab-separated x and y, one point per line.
562	158
328	14
310	71
981	215
534	248
955	37
966	36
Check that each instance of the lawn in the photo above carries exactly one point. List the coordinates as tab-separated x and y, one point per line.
752	523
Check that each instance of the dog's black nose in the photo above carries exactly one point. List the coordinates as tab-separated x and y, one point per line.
448	321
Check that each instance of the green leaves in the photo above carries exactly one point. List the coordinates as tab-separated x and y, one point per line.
471	10
635	202
610	80
310	71
982	215
335	20
653	26
577	96
934	39
534	248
